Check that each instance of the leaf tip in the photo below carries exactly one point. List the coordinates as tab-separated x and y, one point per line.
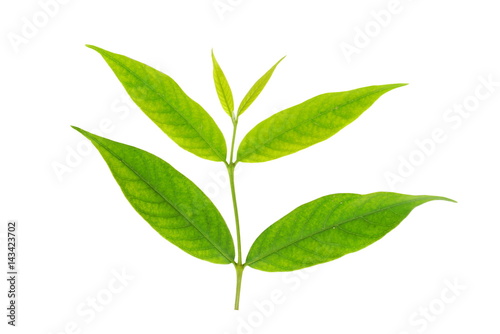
448	199
214	60
83	132
95	48
441	198
276	65
390	87
394	86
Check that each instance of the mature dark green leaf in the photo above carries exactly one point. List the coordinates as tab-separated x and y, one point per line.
166	104
256	89
308	123
173	205
222	87
330	227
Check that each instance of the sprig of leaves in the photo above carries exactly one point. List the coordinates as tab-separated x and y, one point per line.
316	232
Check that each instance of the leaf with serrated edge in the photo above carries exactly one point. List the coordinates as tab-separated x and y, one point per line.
330	227
166	104
256	89
222	87
173	205
308	123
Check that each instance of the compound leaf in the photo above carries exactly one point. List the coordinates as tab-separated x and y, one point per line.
308	123
173	205
330	227
166	104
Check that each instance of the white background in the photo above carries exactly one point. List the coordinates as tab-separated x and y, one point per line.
76	229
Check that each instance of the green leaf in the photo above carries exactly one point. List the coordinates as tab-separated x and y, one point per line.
222	87
256	89
330	227
166	104
173	205
308	123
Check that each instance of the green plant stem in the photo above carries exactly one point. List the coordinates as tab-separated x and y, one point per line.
239	276
230	169
235	127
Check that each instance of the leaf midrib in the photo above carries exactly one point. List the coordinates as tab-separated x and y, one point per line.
165	100
329	227
222	82
245	104
307	121
165	199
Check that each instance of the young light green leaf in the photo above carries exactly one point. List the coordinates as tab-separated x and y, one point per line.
166	104
222	87
256	89
330	227
173	205
308	123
